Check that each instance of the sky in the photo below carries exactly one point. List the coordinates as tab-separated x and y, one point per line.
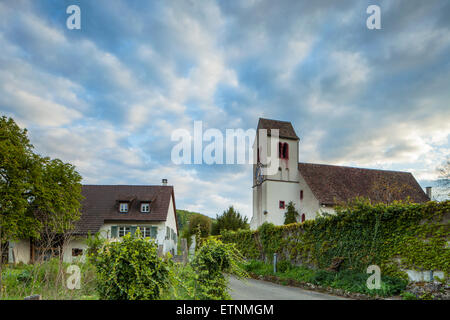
107	97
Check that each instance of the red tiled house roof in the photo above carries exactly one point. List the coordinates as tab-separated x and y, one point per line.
101	203
331	184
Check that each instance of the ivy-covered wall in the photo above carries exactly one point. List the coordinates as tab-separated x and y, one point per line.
395	237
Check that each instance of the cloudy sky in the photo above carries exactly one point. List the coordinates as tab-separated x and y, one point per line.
107	97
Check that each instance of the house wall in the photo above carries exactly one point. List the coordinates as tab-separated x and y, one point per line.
22	247
168	245
21	250
77	243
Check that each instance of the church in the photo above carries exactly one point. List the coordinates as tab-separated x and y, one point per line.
317	188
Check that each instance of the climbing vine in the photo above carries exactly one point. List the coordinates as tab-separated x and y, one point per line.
396	237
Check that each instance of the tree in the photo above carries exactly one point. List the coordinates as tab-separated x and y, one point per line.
35	192
444	178
199	223
229	220
291	215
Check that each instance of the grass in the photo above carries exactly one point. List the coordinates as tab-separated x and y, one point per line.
47	279
347	280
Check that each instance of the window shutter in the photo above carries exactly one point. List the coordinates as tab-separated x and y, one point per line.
133	229
113	231
153	232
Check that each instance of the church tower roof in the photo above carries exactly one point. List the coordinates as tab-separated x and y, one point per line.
286	130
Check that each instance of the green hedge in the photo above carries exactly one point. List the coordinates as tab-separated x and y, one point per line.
394	237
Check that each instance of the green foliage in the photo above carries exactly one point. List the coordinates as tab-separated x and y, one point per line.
347	280
36	192
395	236
408	296
211	261
291	215
38	195
19	173
47	279
229	220
130	269
183	217
198	225
94	244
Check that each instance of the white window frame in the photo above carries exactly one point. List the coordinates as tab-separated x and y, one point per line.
123	230
145	205
145	231
123	207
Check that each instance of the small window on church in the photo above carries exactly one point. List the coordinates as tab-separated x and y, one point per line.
303	217
282	205
285	151
301	194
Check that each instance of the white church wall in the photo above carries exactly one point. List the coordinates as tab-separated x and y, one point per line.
276	192
309	205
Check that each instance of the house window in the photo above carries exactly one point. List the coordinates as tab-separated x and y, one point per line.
303	217
145	231
167	233
145	207
123	207
301	194
124	230
282	205
77	252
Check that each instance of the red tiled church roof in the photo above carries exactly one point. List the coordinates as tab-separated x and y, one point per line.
331	184
101	203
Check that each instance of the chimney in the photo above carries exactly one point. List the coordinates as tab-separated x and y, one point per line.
164	182
428	192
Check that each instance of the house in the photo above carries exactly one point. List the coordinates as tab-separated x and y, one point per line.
112	211
317	188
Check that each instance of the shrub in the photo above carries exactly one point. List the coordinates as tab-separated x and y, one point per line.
211	260
394	236
283	266
131	269
348	280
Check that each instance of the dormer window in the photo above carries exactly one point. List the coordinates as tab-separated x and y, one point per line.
123	207
145	207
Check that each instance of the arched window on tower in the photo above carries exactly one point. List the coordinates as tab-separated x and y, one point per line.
285	150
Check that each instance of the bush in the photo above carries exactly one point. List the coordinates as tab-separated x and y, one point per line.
347	280
396	237
47	279
210	262
283	266
131	269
